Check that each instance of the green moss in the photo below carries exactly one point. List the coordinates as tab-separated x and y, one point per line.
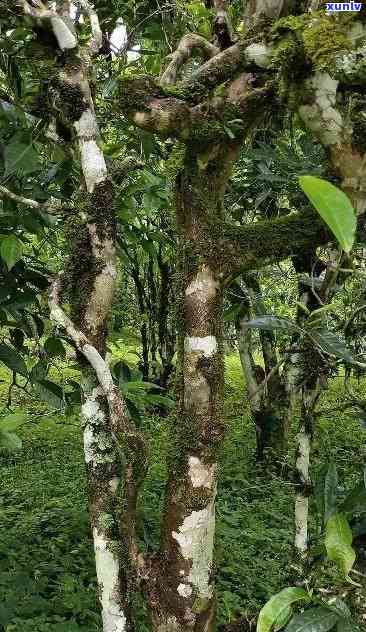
106	521
201	604
100	209
323	41
304	43
68	100
133	93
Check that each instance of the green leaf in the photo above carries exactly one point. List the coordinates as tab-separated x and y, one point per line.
270	323
278	605
39	371
355	501
345	625
54	347
338	543
332	344
11	250
284	618
334	207
330	491
313	620
10	441
20	158
340	607
51	393
12	422
12	359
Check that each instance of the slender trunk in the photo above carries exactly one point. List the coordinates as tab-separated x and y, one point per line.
303	387
90	284
268	404
185	592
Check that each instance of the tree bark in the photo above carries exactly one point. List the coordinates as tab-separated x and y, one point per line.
186	594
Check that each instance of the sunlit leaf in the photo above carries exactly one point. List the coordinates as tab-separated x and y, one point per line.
338	543
11	250
334	207
275	608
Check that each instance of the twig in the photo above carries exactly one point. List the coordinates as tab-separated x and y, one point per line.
49	207
272	372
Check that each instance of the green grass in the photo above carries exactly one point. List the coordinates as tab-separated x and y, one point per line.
47	577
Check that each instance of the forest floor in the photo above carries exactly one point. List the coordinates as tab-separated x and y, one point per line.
47	577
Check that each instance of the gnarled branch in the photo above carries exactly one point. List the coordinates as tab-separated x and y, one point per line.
188	45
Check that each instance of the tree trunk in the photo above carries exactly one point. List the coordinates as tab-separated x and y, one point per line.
268	403
185	590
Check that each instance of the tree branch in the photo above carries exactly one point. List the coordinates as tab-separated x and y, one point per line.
62	26
96	41
188	45
237	58
253	246
48	207
128	440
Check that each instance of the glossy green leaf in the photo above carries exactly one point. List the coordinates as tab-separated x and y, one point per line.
331	343
12	359
39	372
313	620
334	207
11	250
346	625
51	393
278	605
338	543
54	347
270	323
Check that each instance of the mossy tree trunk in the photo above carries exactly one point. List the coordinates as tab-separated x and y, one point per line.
186	599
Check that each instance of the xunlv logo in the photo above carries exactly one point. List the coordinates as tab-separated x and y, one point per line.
344	6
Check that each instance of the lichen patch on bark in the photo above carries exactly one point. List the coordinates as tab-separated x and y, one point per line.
206	344
107	566
201	475
321	116
196	538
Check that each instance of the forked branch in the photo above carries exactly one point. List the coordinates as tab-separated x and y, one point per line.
188	45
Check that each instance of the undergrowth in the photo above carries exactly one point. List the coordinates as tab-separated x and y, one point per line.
47	576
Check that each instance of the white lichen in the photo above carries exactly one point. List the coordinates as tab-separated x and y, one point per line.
207	345
201	475
185	590
301	523
204	283
114	483
259	54
196	539
107	566
64	33
321	116
92	158
303	456
98	443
